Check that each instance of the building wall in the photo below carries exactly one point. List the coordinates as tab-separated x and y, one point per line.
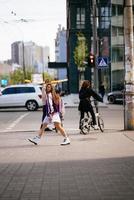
28	55
61	53
35	58
45	56
83	8
78	20
60	45
15	52
110	40
117	44
104	42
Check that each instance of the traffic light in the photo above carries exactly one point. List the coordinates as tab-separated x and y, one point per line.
91	60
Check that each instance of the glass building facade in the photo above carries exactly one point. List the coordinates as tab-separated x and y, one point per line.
78	20
110	40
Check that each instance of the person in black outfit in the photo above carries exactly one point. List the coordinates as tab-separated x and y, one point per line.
85	106
102	90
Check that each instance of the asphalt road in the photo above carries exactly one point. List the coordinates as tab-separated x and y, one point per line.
12	120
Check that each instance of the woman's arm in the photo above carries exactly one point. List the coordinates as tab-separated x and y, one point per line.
96	96
44	95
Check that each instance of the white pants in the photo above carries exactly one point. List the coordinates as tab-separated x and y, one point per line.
51	119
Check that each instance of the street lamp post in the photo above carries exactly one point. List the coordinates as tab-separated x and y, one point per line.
129	66
95	44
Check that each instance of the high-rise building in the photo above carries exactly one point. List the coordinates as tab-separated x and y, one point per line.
46	55
26	55
30	55
15	52
61	53
60	45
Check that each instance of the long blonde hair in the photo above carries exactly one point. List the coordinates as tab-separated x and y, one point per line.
55	96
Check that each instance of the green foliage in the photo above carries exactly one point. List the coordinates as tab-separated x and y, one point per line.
81	52
5	76
47	76
29	75
17	76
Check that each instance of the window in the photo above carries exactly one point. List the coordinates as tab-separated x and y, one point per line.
114	31
80	18
104	17
117	54
25	90
117	10
18	90
120	31
117	31
113	10
9	91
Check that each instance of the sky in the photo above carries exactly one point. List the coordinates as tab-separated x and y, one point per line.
42	20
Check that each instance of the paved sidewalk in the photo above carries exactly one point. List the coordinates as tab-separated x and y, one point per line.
129	134
98	166
72	100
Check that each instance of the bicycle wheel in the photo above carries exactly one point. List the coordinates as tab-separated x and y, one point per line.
85	125
101	124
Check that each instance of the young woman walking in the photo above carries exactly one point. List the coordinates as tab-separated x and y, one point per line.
53	111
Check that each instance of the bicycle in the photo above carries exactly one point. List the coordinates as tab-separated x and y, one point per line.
87	123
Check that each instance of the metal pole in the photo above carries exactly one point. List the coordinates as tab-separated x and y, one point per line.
95	44
129	66
23	60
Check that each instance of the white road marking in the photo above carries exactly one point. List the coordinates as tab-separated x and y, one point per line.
9	128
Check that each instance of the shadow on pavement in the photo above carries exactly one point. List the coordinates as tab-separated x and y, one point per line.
94	179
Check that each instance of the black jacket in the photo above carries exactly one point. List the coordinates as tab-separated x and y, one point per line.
85	102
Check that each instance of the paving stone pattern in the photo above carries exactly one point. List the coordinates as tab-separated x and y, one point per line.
94	167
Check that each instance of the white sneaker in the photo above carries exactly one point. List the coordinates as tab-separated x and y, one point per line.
96	127
34	140
66	141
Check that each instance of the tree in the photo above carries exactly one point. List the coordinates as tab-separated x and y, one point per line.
46	76
81	54
17	76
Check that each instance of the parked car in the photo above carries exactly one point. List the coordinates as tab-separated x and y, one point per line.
1	88
24	95
115	96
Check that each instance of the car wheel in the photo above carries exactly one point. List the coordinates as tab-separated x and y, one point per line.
31	105
111	99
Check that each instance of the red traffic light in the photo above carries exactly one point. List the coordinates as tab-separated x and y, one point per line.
91	60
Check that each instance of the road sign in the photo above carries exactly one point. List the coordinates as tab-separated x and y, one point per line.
4	82
102	62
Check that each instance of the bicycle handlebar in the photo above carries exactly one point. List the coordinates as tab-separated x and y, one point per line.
95	101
